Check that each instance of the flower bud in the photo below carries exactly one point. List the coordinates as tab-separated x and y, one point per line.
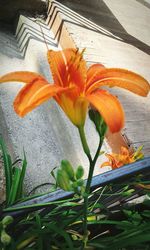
99	122
63	180
7	220
5	238
80	183
103	128
74	237
79	172
74	185
66	166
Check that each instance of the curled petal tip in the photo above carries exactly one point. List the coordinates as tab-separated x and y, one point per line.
117	77
110	109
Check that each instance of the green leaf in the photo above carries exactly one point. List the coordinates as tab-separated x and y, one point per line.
62	233
7	169
53	173
39	205
14	187
21	180
98	245
146	213
39	232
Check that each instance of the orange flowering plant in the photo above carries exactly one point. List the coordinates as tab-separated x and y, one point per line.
126	156
76	88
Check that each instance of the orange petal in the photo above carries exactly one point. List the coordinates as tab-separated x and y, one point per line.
124	151
112	161
93	73
75	109
122	78
105	164
32	95
68	67
21	76
109	107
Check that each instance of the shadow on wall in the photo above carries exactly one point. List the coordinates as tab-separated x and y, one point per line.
102	16
145	3
9	9
16	45
26	33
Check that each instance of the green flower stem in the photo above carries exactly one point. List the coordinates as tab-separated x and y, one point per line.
90	175
84	143
92	165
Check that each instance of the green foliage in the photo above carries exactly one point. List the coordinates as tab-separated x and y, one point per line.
5	238
14	176
68	179
113	223
67	167
6	221
110	227
63	180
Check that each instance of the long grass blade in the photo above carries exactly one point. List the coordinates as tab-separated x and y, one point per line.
7	168
14	187
21	180
63	233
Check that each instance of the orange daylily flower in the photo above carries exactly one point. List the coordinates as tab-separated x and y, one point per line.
75	87
125	157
